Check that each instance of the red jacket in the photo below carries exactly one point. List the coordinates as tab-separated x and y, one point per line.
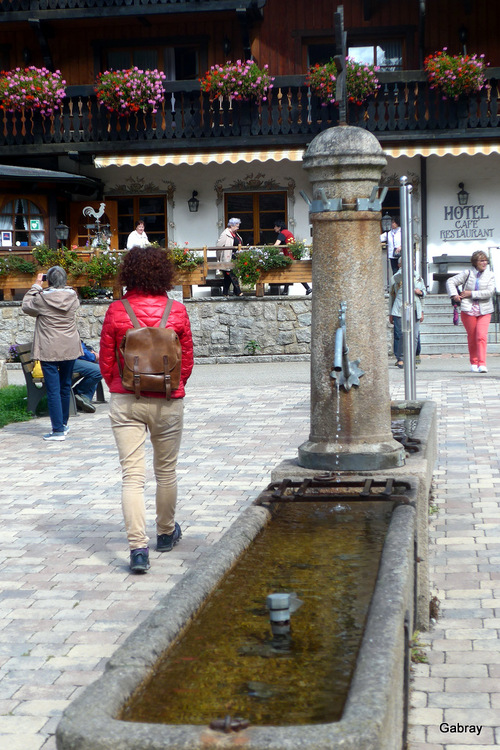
149	309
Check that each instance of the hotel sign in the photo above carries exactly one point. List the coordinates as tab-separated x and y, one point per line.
465	223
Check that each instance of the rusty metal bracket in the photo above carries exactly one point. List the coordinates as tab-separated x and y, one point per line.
332	487
228	724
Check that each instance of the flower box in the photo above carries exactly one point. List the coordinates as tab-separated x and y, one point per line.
297	272
10	283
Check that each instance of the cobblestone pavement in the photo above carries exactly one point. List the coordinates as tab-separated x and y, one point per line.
67	599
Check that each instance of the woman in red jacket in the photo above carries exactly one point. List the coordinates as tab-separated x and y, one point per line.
147	273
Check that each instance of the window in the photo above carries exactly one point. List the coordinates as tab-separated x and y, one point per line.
258	212
151	209
387	55
24	219
179	63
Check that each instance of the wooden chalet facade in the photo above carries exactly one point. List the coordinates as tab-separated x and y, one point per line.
242	158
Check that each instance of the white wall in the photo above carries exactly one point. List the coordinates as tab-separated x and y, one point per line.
202	228
455	231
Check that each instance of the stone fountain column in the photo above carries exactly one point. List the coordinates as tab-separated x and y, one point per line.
350	430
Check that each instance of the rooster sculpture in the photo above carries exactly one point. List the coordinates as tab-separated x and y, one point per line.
89	211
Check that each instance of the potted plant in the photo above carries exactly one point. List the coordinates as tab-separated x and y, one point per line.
32	88
131	90
241	81
185	260
454	75
361	81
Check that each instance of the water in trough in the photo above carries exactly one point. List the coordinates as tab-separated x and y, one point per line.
226	664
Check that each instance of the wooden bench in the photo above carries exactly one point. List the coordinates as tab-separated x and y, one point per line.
443	273
36	387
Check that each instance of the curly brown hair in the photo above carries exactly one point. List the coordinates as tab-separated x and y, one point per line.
147	269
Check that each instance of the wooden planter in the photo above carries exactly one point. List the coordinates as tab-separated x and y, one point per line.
13	281
187	280
299	271
9	284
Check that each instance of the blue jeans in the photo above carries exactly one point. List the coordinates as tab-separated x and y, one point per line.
398	336
91	375
57	377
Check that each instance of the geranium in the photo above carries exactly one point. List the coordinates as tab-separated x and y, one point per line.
361	81
131	90
31	88
184	258
239	80
455	74
249	263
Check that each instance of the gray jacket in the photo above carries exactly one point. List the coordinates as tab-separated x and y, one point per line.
396	294
56	336
484	294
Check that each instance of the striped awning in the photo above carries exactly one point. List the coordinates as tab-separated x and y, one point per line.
191	158
438	149
199	157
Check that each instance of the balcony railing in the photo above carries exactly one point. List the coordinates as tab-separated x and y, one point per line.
405	108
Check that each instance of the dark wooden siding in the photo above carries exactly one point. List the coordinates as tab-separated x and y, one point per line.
277	39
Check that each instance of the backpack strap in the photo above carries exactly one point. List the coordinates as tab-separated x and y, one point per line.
128	307
166	313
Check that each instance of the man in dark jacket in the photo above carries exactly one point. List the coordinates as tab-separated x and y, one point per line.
86	366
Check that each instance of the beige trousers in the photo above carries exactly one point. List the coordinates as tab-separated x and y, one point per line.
131	419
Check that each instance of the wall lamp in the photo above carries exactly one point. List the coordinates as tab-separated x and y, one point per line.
462	195
386	222
193	202
62	232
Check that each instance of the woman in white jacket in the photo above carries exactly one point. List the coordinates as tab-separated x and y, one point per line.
476	300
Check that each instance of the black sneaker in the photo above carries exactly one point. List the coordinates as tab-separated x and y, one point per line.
139	560
83	403
166	542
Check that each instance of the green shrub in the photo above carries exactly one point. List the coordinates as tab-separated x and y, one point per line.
13	405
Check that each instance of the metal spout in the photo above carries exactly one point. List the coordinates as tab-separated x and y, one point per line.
344	372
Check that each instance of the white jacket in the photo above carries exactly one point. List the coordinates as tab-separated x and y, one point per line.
484	295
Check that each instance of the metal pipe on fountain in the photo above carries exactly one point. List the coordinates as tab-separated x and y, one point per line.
345	373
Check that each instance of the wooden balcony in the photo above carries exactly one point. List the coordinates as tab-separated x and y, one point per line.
405	109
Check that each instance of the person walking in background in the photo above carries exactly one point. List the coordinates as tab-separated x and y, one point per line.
148	273
137	238
229	240
393	239
284	238
88	368
56	342
396	297
476	301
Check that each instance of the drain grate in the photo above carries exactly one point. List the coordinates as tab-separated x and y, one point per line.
330	486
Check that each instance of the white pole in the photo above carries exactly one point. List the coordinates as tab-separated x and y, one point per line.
408	311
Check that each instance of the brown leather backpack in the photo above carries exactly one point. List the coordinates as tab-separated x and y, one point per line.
151	356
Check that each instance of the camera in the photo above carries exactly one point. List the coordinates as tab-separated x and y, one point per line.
44	277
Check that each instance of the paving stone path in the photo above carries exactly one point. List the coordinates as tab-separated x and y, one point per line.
67	599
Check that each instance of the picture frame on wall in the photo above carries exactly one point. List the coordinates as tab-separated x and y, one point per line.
6	238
